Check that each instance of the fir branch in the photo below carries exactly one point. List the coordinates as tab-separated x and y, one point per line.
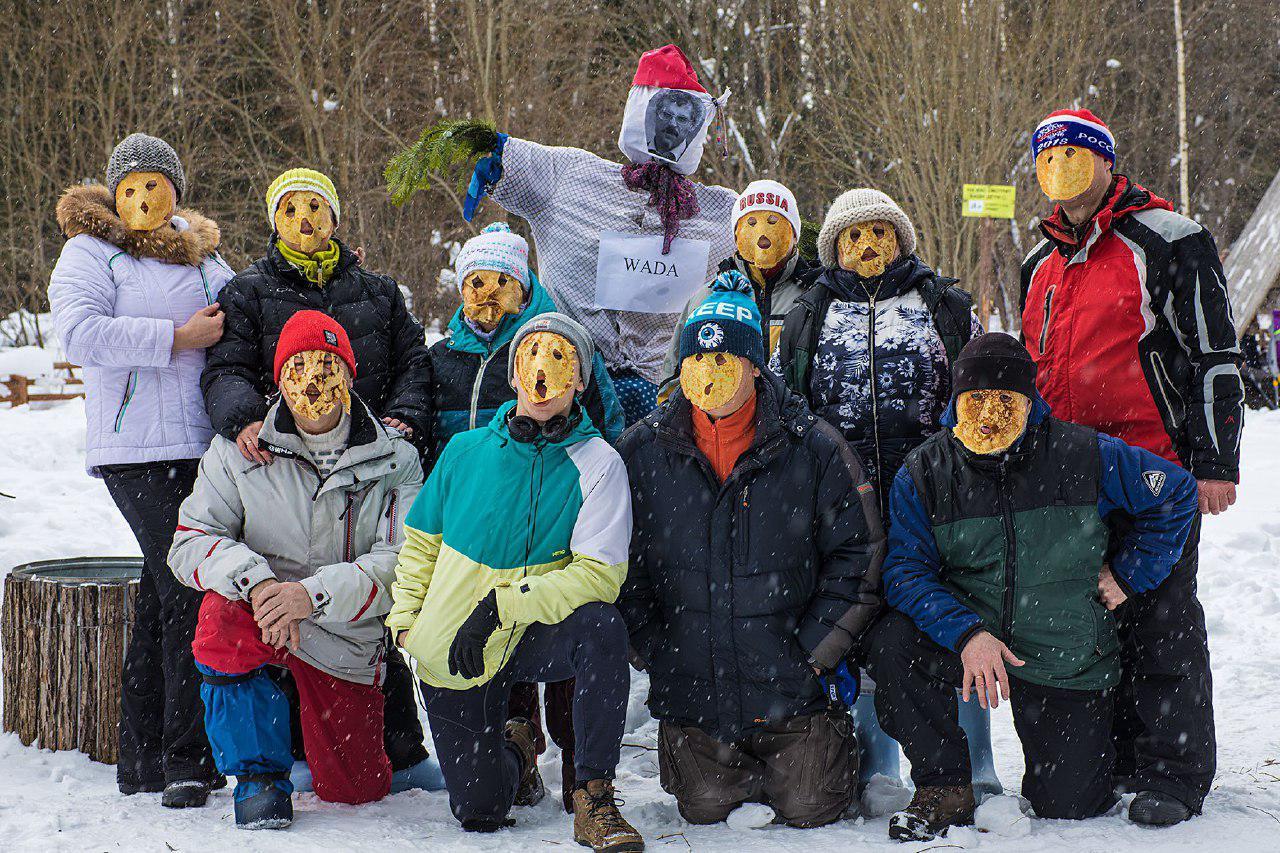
438	149
809	239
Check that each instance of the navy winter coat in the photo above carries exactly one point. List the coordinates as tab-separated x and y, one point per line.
735	590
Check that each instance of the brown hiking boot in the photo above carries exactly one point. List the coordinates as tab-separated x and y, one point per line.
598	824
931	812
521	734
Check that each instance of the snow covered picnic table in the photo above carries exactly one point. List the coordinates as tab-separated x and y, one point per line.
63	802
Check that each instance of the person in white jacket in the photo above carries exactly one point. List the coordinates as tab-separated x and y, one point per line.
135	300
296	559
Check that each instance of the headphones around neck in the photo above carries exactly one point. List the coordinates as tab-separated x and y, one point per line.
526	430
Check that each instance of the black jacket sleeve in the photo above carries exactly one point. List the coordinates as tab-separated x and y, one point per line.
851	546
234	385
409	398
1206	329
637	602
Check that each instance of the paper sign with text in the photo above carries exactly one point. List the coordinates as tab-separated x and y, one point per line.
993	200
632	274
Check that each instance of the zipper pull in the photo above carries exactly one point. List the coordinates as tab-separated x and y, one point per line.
351	498
745	502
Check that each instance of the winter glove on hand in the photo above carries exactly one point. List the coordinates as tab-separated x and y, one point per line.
466	655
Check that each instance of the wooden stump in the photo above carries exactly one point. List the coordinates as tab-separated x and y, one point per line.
65	627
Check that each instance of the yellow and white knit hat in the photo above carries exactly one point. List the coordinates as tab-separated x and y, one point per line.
302	179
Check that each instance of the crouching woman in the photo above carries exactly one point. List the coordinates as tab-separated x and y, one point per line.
296	559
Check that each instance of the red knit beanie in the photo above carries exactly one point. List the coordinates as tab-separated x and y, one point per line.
313	330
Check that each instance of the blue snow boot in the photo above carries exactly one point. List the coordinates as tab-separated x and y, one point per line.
976	722
426	775
262	801
300	778
878	753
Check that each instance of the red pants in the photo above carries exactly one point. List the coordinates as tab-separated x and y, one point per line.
341	720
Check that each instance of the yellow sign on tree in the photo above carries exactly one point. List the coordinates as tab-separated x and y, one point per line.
990	200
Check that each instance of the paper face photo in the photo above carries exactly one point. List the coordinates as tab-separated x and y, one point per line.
666	125
671	120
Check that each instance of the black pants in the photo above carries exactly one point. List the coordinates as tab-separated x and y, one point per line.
1163	730
161	716
1065	734
401	729
480	770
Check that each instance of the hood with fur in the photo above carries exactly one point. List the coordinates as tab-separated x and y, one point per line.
91	209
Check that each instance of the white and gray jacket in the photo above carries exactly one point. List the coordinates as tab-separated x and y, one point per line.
339	536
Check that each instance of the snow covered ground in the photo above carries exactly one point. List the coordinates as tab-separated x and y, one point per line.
63	802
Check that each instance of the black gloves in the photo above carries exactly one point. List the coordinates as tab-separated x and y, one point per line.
466	655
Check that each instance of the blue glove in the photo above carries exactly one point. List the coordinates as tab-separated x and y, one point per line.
488	172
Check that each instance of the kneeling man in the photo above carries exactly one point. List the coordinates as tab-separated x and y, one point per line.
515	551
997	542
754	568
296	559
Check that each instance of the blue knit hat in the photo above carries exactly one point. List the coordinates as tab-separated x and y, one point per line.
727	321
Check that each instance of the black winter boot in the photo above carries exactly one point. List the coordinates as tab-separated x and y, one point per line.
188	794
263	801
1153	808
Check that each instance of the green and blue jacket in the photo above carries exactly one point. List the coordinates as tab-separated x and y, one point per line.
546	524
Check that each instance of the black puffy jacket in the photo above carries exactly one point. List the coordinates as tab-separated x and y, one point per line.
733	588
392	366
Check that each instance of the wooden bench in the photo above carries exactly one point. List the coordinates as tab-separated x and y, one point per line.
20	387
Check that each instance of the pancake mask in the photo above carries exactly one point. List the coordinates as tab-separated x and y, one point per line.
764	239
1064	171
489	295
710	379
144	200
990	421
304	220
546	366
867	247
313	383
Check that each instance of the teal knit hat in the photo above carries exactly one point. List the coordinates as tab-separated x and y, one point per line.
727	321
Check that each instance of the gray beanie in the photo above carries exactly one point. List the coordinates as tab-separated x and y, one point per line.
138	152
862	205
565	327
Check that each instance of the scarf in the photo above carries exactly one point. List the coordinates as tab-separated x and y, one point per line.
670	192
317	268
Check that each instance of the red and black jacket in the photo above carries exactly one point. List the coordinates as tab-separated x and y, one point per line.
1129	320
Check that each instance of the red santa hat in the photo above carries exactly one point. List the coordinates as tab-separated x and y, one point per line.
667	68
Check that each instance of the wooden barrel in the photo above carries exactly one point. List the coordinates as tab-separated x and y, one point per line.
66	626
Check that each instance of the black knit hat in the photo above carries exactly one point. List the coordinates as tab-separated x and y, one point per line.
994	361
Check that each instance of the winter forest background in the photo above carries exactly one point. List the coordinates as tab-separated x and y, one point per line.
915	98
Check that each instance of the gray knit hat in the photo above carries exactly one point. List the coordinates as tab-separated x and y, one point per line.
862	205
138	152
565	327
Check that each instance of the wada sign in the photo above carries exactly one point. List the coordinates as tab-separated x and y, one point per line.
990	200
632	274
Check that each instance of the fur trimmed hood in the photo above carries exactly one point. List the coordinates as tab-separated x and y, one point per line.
91	209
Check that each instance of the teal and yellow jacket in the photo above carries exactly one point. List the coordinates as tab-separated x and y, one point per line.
546	524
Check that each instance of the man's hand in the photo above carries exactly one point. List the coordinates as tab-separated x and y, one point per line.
279	610
202	331
466	654
395	423
1109	591
247	441
400	635
984	658
1216	496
